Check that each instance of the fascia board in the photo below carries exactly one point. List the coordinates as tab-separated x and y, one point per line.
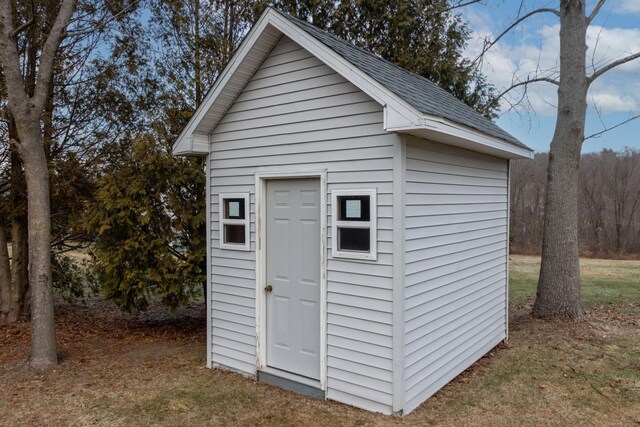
183	145
443	126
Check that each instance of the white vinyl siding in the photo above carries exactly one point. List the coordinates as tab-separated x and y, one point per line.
296	114
455	263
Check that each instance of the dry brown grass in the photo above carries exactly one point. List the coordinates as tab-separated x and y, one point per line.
120	370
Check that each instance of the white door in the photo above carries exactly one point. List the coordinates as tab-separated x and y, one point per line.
293	276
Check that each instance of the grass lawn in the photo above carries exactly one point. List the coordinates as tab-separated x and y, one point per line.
120	370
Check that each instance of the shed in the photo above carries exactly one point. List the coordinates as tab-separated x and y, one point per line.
357	221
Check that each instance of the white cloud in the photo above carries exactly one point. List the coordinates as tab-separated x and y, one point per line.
531	52
610	102
609	44
628	6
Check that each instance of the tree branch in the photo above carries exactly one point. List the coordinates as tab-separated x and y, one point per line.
526	82
176	253
49	51
611	66
24	26
104	24
607	129
27	24
489	45
595	11
10	59
461	4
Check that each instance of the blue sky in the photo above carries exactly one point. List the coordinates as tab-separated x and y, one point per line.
534	46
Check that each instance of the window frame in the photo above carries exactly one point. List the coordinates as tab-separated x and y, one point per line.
372	225
246	246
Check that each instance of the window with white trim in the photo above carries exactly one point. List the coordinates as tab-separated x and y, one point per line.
234	221
354	225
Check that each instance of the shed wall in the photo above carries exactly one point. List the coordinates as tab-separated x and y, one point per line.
455	263
295	114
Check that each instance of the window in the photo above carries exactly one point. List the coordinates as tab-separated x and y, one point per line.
234	221
353	229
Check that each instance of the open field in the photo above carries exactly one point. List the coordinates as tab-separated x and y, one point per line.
121	370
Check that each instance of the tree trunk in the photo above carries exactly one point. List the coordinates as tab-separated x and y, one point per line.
197	54
43	336
558	291
5	274
19	268
26	101
17	305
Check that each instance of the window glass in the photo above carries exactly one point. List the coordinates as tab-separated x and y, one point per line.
234	233
353	208
234	221
234	208
354	222
354	239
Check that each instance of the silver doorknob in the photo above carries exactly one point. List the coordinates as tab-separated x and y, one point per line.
268	288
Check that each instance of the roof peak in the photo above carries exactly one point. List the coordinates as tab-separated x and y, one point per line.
417	90
411	103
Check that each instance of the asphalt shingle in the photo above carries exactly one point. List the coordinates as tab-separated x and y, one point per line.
421	93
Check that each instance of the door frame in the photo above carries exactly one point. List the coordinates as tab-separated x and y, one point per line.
261	179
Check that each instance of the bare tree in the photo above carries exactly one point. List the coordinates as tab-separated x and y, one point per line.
621	172
88	107
527	203
27	112
592	208
559	287
609	206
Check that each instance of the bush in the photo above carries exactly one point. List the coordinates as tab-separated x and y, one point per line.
73	281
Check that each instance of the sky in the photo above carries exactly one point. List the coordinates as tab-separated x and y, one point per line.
534	45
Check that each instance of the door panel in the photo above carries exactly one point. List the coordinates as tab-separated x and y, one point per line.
293	271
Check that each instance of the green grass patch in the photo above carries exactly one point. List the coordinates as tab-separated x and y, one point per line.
604	282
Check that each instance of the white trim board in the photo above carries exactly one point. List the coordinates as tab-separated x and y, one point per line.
261	321
209	293
399	115
399	211
506	308
245	222
372	225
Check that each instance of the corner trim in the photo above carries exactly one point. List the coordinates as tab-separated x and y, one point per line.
209	298
506	295
399	184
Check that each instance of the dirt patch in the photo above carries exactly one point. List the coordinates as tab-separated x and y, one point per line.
124	370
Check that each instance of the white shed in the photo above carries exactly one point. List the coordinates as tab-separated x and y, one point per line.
357	221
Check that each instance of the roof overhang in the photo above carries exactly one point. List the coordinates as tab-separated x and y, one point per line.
448	132
399	116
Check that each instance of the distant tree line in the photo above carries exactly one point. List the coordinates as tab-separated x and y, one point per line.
609	203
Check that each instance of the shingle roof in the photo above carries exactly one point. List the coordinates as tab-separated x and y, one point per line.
422	94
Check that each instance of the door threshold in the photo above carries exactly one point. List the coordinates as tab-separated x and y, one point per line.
292	382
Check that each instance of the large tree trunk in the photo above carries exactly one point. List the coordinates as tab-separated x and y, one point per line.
43	337
5	274
558	291
27	99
